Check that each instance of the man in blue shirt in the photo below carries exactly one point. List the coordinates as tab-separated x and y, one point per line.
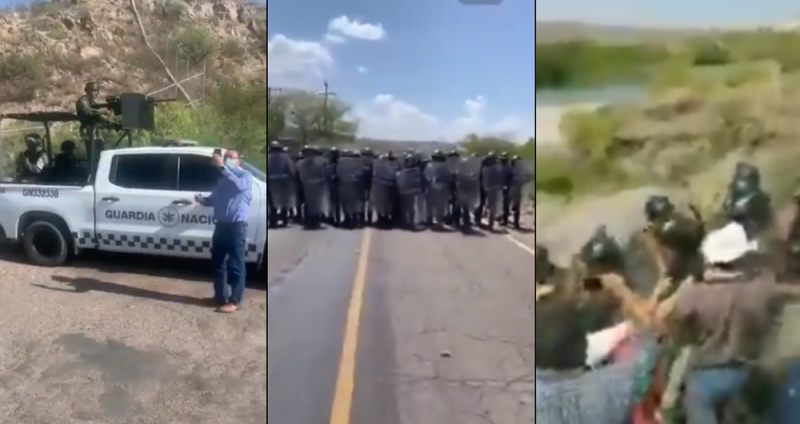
231	199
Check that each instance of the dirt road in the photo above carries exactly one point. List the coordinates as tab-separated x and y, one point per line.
78	345
363	327
445	333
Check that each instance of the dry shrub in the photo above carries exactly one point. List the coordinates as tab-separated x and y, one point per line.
742	111
233	49
21	76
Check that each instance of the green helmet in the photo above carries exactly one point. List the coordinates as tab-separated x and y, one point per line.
92	87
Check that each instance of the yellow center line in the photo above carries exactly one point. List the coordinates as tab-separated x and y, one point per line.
346	380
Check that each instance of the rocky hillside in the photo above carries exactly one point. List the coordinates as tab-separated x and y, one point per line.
49	50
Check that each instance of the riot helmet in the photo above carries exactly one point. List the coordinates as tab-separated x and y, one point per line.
658	208
748	172
602	254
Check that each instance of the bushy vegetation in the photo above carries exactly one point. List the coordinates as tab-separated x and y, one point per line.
584	63
698	123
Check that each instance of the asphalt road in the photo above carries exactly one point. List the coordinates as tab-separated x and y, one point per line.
400	328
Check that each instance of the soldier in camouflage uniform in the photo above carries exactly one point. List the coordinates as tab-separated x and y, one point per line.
90	111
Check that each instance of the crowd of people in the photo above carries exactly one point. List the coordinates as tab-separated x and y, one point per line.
704	343
355	188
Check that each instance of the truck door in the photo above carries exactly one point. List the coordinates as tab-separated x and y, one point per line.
137	204
196	175
195	227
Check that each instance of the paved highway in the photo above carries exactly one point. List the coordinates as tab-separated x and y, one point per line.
392	327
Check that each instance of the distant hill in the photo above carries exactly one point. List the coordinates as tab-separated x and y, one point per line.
555	31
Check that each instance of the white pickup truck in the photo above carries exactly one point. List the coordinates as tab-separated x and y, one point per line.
140	201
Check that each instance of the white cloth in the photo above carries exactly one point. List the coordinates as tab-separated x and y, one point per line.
727	244
602	343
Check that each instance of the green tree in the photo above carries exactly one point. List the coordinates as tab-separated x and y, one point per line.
314	120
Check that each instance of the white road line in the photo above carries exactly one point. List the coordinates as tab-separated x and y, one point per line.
520	244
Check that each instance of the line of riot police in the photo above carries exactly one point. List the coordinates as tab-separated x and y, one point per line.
354	189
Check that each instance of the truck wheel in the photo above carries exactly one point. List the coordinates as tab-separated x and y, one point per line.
45	245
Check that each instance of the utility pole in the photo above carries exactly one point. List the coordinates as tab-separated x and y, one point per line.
326	95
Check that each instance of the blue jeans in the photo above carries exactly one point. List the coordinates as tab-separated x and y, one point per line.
707	389
228	246
786	401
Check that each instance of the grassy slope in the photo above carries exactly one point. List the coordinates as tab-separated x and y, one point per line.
554	31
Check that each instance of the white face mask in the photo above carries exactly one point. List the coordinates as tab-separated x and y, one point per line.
232	163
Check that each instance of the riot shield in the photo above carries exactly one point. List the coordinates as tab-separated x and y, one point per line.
409	186
313	172
281	180
384	173
468	183
493	179
350	178
409	181
521	176
453	164
438	180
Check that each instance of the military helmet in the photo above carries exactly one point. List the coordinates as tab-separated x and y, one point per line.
658	207
92	86
602	254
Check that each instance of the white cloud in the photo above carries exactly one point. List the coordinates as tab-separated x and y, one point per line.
295	62
302	63
386	117
352	28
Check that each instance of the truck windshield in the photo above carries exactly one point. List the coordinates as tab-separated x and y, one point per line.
255	171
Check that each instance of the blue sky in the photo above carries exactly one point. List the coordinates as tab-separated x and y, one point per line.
435	56
682	13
